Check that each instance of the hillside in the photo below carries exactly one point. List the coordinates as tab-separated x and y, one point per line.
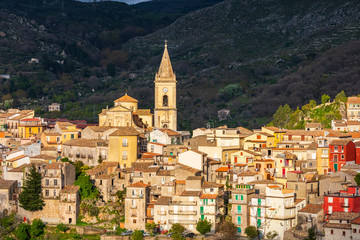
267	48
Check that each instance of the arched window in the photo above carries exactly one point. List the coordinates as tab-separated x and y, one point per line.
165	101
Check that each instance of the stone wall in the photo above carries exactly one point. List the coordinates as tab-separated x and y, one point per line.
50	213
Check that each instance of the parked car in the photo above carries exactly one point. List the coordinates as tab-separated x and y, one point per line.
127	233
189	235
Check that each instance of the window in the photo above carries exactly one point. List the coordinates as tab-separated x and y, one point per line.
46	192
236	197
354	230
296	187
202	217
133	192
258	136
332	231
124	155
242	197
239	220
330	199
342	156
259	223
64	136
46	181
55	182
330	209
239	229
335	159
125	143
211	190
134	220
100	182
259	212
58	139
165	101
72	136
239	209
336	148
344	234
69	208
152	148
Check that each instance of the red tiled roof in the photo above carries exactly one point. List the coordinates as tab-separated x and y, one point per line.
16	158
126	98
138	185
208	196
222	169
353	99
169	132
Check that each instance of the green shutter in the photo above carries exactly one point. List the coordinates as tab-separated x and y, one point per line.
202	217
242	197
259	223
236	197
239	220
259	201
239	209
201	209
239	229
259	212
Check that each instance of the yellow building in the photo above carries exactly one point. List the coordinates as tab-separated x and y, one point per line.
123	146
125	113
51	138
258	140
165	112
278	134
322	156
244	157
67	130
30	127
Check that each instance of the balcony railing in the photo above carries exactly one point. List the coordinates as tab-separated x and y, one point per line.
182	212
345	205
184	203
185	222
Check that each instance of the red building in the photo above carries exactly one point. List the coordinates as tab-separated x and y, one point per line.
357	147
341	151
343	201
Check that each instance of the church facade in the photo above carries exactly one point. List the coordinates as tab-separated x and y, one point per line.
125	112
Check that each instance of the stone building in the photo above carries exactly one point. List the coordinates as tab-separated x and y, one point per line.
136	201
89	151
8	196
54	107
69	204
97	132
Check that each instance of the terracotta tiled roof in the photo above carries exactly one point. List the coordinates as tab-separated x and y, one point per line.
337	225
247	174
101	167
5	184
211	185
187	168
48	149
208	196
182	182
317	133
355	134
312	125
163	201
222	169
191	193
125	131
298	200
144	112
19	169
194	178
155	143
16	158
356	221
312	208
84	142
240	165
56	165
353	99
138	185
250	152
105	176
340	142
169	132
126	98
70	189
352	123
343	216
165	173
49	132
43	156
100	128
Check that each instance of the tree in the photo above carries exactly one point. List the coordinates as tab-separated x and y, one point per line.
177	229
341	97
7	224
30	197
251	232
137	235
311	234
325	98
357	179
87	189
23	232
62	227
227	230
271	235
150	227
281	116
37	228
203	226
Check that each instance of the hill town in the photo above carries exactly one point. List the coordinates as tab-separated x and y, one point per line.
135	174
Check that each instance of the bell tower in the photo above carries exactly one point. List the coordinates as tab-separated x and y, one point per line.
165	112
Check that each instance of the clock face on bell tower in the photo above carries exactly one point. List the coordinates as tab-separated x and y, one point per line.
165	112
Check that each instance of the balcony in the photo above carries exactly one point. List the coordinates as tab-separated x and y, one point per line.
324	155
182	212
185	222
124	157
161	212
289	206
183	203
344	205
125	144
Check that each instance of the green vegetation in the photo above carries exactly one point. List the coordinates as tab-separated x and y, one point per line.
357	179
23	231
150	227
227	230
8	224
251	232
30	197
137	235
285	117
177	231
37	228
62	227
203	226
311	234
87	188
271	235
120	230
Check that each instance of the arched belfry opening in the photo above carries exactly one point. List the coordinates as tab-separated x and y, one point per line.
165	101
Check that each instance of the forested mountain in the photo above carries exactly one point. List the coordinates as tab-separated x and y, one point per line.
247	56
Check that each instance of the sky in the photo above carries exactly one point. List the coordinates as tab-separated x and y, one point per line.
125	1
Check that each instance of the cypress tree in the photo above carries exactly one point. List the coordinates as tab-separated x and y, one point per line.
30	198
